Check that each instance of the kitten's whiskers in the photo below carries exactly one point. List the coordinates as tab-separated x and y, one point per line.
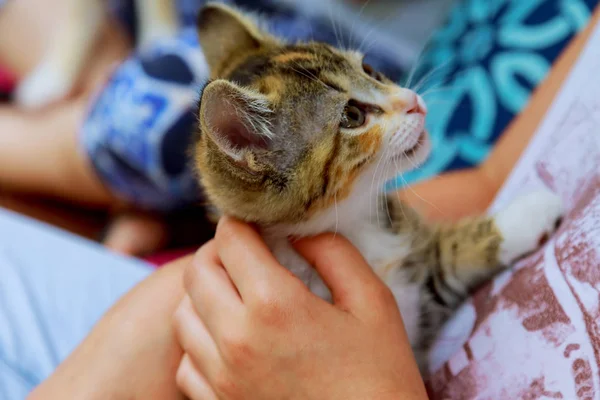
374	28
430	74
380	181
409	187
383	193
335	28
336	215
437	89
371	191
397	193
415	67
360	12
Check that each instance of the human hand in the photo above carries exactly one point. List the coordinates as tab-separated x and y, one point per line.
250	329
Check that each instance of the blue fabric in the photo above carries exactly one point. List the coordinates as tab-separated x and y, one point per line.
54	287
139	128
480	69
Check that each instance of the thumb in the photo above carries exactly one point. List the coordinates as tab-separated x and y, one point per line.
343	269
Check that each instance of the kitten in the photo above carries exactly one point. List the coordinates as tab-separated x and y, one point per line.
58	71
299	138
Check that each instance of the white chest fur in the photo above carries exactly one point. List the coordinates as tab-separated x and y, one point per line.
378	246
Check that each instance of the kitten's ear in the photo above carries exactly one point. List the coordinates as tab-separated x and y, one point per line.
225	32
236	119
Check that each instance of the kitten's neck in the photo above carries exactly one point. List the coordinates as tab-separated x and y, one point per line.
345	217
363	221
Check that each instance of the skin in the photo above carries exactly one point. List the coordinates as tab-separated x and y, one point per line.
132	352
250	329
139	327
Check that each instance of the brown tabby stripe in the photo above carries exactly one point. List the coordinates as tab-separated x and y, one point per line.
329	162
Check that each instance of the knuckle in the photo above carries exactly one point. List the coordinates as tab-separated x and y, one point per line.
237	350
271	314
225	385
265	297
271	309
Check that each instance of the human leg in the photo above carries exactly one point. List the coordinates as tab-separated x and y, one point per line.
39	151
39	154
54	287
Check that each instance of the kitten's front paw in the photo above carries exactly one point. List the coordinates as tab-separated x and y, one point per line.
527	222
46	84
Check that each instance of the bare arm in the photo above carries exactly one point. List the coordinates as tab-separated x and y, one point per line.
131	353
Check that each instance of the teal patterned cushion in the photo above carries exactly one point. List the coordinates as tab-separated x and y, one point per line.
480	69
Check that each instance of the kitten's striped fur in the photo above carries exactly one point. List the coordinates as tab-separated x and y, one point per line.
271	150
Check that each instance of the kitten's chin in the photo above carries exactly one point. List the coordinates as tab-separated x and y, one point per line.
413	157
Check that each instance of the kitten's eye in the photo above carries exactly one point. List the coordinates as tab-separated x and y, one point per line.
353	117
372	73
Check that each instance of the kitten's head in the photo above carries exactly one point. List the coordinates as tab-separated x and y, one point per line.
288	130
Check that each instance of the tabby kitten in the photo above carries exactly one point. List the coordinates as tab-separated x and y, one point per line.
298	139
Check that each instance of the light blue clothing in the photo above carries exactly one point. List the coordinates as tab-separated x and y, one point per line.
54	286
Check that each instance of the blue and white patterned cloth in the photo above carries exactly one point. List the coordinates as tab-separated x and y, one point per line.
139	128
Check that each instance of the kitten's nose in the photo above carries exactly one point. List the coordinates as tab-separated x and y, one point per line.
407	101
417	106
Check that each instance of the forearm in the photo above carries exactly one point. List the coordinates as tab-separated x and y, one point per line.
451	196
131	353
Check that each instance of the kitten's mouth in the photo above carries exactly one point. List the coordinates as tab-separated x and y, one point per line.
418	144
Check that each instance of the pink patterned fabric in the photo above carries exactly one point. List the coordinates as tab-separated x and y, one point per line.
534	332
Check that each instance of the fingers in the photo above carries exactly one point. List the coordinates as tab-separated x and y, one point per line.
212	294
342	268
195	339
192	383
247	259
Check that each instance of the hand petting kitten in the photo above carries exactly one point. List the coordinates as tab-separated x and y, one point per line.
299	139
251	330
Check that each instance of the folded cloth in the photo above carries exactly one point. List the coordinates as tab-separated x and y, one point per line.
139	127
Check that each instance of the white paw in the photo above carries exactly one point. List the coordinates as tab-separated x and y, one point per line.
526	222
46	84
